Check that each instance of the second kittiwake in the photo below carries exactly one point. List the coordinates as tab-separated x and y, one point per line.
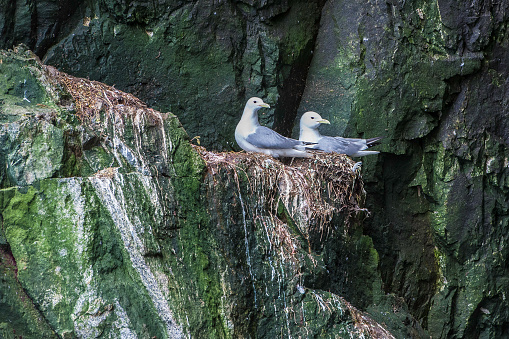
309	123
253	137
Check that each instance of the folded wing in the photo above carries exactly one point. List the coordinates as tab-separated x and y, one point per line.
264	137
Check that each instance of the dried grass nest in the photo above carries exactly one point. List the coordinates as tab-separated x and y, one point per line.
324	184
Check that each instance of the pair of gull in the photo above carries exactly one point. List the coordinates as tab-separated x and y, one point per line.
253	137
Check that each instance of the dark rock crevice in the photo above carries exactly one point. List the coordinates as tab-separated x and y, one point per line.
290	92
294	67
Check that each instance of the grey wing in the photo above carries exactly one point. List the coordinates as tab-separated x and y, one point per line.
264	137
342	145
368	142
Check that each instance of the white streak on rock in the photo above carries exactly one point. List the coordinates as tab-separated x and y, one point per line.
113	199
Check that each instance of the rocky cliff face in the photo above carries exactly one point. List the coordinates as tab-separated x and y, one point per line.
196	59
113	225
429	76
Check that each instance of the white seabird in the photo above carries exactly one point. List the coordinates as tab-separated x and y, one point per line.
252	137
309	123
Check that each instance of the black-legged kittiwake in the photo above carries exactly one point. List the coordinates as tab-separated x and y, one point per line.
253	137
309	123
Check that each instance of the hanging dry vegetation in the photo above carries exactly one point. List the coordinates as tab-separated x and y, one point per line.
92	97
311	189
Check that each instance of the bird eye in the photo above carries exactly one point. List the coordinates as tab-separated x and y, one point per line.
255	101
312	117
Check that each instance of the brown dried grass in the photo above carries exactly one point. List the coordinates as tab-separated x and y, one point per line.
93	97
312	189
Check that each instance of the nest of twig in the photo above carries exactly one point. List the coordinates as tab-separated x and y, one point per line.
312	189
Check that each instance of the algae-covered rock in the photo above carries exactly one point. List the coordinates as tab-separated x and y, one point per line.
84	275
115	226
296	263
198	59
426	76
431	77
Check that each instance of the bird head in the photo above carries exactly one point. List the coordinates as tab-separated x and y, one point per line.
256	103
312	120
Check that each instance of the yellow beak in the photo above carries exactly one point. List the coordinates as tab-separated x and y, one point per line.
264	105
324	121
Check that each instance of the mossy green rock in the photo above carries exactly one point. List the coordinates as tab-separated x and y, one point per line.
116	227
426	76
197	59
